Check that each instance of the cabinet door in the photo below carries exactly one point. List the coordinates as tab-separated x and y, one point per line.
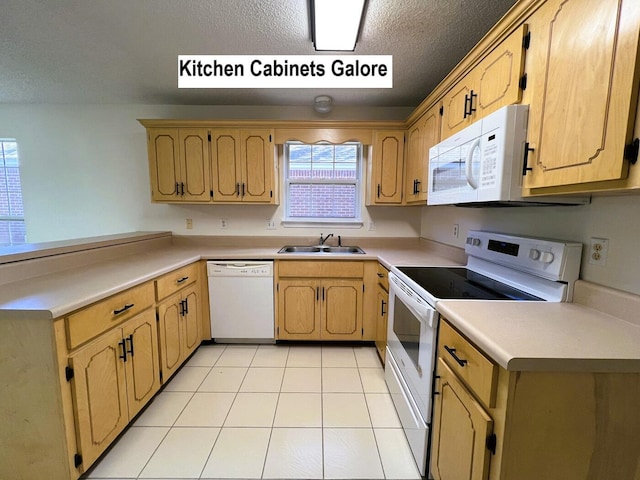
341	309
388	159
100	394
164	163
191	319
298	309
257	166
455	107
226	169
460	430
420	138
497	77
381	322
170	314
194	165
584	72
142	369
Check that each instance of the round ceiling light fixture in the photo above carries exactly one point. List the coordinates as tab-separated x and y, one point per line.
322	103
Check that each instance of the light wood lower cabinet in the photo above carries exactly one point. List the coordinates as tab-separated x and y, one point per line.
382	311
490	423
179	326
113	378
328	309
320	300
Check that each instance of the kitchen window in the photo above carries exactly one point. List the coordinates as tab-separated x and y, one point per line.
12	228
322	183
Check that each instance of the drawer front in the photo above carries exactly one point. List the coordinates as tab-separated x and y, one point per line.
172	282
100	317
478	372
317	269
383	277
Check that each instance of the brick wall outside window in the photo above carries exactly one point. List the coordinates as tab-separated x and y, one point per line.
12	229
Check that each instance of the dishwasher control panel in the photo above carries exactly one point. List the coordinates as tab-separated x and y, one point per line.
251	268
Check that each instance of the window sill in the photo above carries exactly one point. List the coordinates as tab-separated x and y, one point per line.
321	223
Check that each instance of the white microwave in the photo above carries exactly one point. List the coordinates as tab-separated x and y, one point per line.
482	165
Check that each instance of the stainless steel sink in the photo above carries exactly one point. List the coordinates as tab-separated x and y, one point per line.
320	249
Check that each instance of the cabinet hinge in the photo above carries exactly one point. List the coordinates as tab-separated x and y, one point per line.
526	41
523	82
77	460
68	373
441	110
631	151
492	440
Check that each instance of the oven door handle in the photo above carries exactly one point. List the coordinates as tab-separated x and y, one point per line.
423	312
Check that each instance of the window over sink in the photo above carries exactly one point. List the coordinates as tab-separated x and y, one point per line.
322	183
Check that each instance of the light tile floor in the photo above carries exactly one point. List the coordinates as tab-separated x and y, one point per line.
268	411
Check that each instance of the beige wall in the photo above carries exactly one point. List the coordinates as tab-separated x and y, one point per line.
616	218
84	173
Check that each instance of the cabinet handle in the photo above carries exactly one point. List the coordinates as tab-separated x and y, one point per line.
471	107
317	293
123	309
237	189
182	308
380	275
416	186
526	168
124	350
466	105
452	352
180	280
243	189
130	340
177	188
378	190
182	189
186	306
382	304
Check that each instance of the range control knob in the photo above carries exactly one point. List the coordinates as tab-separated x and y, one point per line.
534	254
474	242
546	257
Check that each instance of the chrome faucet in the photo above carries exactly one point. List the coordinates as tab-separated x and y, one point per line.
324	239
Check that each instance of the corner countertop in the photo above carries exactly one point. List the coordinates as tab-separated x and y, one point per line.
56	294
545	336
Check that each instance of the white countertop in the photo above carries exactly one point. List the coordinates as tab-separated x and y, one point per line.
544	336
597	334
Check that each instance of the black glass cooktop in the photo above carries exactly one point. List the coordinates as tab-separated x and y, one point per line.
460	283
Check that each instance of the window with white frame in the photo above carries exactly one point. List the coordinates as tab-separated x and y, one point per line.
322	182
12	229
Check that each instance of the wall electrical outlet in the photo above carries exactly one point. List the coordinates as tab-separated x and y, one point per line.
271	224
189	223
456	230
224	223
598	251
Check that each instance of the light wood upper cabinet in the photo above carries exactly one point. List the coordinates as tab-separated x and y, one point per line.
424	134
243	166
179	164
583	71
385	174
492	84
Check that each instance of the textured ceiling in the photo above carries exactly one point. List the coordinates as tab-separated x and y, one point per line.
125	51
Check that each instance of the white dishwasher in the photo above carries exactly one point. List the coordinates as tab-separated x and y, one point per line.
241	301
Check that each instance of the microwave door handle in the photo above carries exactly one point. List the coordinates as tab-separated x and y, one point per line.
469	166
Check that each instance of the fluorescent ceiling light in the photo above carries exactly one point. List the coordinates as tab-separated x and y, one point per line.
336	23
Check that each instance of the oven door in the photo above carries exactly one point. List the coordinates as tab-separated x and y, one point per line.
411	339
